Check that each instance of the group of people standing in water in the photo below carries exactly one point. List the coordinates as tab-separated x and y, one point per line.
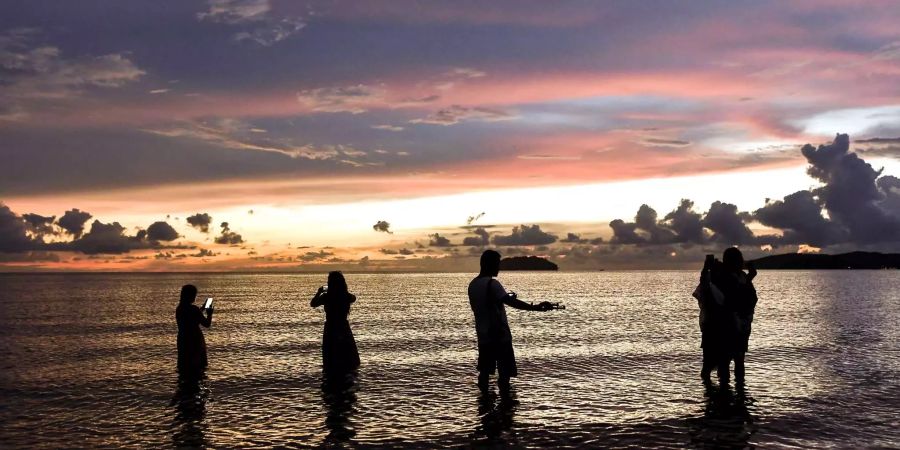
726	297
727	301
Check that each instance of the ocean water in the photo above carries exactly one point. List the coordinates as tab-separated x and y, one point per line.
88	360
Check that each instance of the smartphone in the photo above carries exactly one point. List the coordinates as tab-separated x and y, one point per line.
207	305
324	288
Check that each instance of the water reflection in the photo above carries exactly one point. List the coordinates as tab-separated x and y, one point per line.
496	418
339	397
189	401
726	421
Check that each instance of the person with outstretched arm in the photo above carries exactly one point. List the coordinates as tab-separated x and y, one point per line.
488	300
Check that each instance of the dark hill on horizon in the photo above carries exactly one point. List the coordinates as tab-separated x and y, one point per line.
527	263
818	261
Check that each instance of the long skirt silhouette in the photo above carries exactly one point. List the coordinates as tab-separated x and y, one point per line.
339	352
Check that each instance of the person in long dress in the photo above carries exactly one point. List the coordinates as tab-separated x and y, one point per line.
339	352
192	359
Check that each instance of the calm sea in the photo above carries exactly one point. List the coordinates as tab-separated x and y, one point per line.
88	361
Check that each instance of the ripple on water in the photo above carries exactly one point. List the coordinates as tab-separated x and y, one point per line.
89	361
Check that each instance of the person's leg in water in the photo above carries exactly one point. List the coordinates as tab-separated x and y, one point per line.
723	369
484	381
506	367
709	356
487	364
739	368
709	363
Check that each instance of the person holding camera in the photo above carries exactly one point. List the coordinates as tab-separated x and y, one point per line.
487	299
339	352
727	300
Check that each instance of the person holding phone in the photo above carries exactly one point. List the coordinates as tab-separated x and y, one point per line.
487	299
192	359
339	352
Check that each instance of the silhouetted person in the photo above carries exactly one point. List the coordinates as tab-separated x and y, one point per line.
740	303
339	353
487	299
192	359
714	330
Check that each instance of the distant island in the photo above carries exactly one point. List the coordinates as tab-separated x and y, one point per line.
527	263
819	261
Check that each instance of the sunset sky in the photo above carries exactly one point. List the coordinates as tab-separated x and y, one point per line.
411	135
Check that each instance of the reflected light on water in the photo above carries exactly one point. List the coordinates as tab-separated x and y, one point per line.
89	360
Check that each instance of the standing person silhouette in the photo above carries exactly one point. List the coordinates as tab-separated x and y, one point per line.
715	319
192	360
487	299
339	352
740	302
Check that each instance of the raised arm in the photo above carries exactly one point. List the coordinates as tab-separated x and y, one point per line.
318	299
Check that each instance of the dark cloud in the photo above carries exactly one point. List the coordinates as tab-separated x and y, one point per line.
525	235
402	251
481	238
73	221
436	240
686	223
315	256
572	238
728	225
382	226
38	224
851	194
228	237
854	205
646	219
13	236
625	233
890	187
161	231
103	238
646	229
799	217
200	221
106	238
203	253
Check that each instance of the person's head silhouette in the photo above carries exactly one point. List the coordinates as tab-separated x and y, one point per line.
733	260
337	283
490	263
188	293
